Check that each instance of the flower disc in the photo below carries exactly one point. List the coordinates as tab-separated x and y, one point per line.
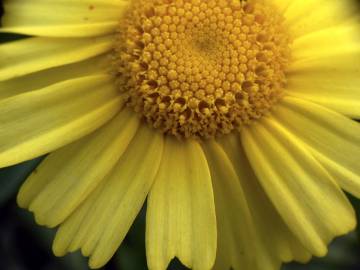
201	68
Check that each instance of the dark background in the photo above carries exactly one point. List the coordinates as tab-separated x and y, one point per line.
27	246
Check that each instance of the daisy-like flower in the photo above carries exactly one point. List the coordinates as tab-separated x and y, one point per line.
232	118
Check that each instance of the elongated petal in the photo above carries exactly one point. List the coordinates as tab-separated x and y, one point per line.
237	245
61	30
44	78
278	244
72	226
180	218
29	55
327	72
333	138
62	18
307	198
35	123
99	225
66	177
320	56
132	178
320	43
307	16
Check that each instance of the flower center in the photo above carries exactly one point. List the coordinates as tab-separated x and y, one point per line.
197	68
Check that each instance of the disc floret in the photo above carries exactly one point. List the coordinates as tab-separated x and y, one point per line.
196	68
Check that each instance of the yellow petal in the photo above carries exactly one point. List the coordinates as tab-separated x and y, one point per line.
123	196
62	18
180	218
35	123
307	198
333	138
41	79
327	72
26	56
321	43
66	177
278	243
61	30
237	245
306	16
100	224
321	57
70	228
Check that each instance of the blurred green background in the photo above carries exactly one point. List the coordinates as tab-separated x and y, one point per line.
27	246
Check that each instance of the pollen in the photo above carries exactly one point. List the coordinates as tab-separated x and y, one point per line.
201	69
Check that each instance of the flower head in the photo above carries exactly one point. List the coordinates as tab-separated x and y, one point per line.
232	118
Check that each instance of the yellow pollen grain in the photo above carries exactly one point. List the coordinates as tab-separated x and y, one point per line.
201	69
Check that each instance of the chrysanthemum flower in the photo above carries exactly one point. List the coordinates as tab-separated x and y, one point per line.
231	117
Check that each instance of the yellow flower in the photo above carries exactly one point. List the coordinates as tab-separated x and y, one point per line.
231	117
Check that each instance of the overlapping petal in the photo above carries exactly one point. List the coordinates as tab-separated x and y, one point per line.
328	72
41	79
180	218
237	238
62	18
100	224
30	55
276	243
66	177
331	137
302	191
35	123
307	16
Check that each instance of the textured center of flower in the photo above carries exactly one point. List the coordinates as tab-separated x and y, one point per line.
197	68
